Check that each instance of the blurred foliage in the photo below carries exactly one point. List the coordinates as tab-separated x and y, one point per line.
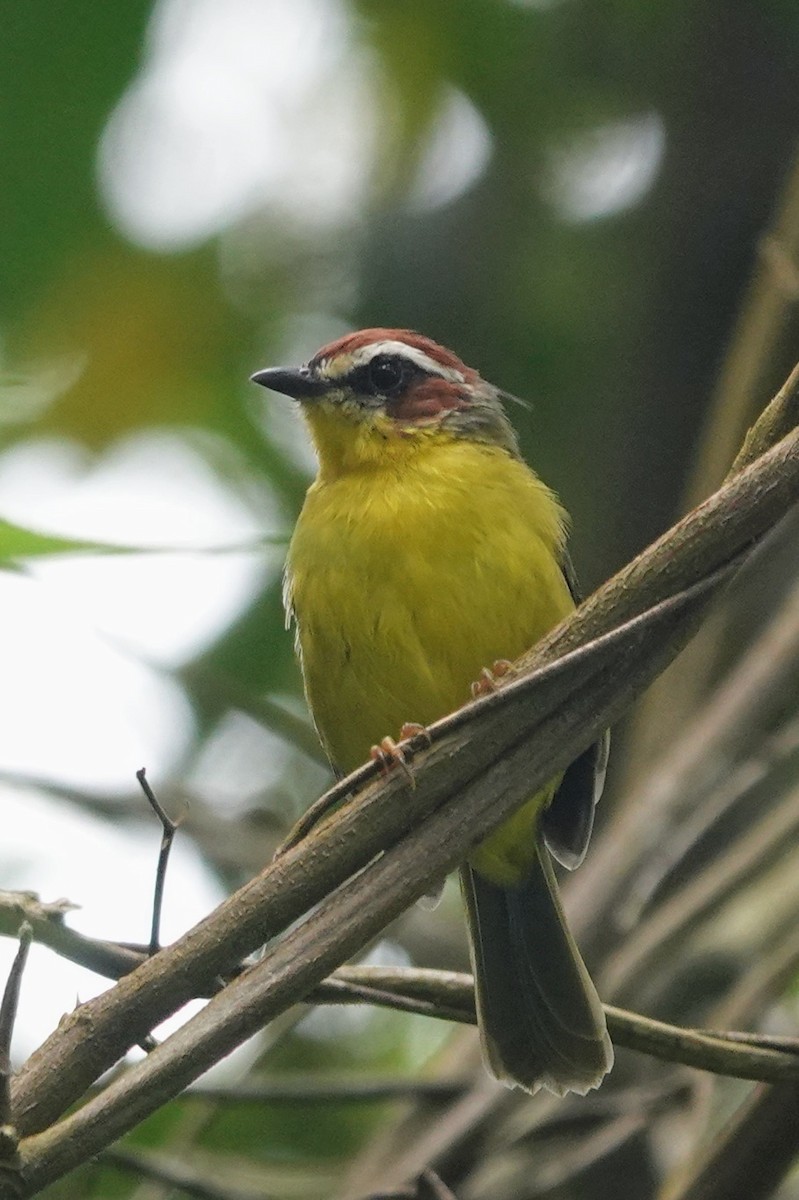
612	325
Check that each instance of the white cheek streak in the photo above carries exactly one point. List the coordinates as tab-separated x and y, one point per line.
342	364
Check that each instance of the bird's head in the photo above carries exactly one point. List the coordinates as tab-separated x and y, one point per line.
389	393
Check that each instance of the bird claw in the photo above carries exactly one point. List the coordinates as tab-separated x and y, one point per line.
411	729
389	754
488	683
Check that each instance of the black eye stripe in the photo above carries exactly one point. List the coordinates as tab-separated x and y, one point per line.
384	375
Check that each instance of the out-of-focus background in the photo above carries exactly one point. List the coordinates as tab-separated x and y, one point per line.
571	195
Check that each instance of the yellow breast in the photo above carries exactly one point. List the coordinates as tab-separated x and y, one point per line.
407	578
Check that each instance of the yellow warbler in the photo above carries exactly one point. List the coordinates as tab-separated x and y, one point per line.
426	549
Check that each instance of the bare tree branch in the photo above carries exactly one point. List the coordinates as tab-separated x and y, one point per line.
311	1089
46	920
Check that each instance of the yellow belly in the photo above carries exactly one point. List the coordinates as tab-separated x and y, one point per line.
405	583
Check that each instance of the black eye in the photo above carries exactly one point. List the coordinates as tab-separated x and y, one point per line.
387	374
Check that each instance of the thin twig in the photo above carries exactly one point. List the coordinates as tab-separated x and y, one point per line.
8	1016
46	920
335	990
228	842
168	827
313	1089
10	1163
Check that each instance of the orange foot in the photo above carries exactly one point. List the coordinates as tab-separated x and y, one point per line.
412	730
489	678
388	754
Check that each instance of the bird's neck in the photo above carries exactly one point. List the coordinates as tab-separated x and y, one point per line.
361	445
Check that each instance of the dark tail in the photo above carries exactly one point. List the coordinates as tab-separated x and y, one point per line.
541	1021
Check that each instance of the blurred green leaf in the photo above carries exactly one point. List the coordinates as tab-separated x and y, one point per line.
17	543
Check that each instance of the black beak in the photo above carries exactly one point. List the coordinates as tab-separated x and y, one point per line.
297	382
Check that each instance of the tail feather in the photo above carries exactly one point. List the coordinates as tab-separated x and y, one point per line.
540	1018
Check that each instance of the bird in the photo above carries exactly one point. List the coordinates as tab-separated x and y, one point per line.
425	550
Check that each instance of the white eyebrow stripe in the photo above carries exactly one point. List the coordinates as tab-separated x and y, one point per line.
365	354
